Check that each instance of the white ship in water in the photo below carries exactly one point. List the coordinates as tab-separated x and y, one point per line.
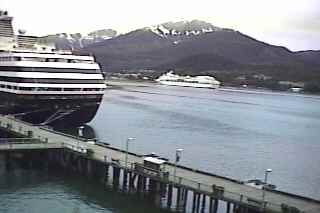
188	81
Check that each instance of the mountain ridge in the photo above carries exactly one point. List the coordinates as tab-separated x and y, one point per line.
72	41
195	47
170	42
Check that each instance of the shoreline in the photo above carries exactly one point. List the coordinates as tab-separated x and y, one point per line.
120	84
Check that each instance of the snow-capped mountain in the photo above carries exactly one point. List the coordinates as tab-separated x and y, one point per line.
194	45
77	40
177	32
185	28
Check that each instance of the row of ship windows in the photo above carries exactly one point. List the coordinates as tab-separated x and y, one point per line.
48	88
44	97
63	60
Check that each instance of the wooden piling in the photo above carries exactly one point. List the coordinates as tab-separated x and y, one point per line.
116	177
139	184
157	196
178	198
194	205
106	173
169	197
132	178
210	204
89	168
144	184
216	205
185	199
8	161
203	206
228	207
198	202
125	180
79	165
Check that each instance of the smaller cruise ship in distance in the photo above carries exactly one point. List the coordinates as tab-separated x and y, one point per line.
187	81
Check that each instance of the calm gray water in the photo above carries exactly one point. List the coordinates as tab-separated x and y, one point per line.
34	191
231	133
236	134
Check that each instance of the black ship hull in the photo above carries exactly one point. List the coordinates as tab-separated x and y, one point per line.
60	110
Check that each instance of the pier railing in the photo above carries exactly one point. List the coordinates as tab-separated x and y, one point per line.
28	146
215	191
19	140
220	192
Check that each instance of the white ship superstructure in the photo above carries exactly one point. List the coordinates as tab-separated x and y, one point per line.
187	81
49	73
55	85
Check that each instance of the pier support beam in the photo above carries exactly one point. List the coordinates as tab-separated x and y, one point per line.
140	189
185	199
116	177
194	202
169	197
215	206
182	196
178	204
79	165
210	204
94	168
101	172
8	161
203	206
89	168
198	202
132	179
144	184
154	192
62	159
125	180
106	174
157	198
228	207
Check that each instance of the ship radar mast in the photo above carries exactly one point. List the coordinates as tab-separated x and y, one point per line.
7	37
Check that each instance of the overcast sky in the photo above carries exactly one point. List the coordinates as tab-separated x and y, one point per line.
291	23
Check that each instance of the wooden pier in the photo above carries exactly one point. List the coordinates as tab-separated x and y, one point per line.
190	190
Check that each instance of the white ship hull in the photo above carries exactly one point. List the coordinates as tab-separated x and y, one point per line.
187	84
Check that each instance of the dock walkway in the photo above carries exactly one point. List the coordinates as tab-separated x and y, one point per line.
232	190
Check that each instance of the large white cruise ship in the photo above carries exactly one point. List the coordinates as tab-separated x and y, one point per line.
187	81
43	85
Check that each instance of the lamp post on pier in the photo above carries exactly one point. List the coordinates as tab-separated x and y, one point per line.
264	185
127	149
177	159
80	134
80	131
